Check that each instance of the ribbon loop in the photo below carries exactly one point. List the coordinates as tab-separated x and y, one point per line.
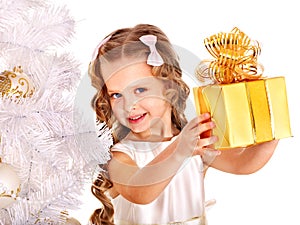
235	58
154	58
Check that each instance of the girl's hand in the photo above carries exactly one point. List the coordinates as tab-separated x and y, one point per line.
190	140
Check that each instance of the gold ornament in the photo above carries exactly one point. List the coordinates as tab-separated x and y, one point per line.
68	220
9	185
72	221
15	84
235	58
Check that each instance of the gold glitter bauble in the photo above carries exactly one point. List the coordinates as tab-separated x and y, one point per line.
15	84
72	221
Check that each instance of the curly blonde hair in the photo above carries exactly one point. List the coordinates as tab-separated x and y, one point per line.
125	43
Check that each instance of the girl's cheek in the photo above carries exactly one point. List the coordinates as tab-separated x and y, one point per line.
118	109
116	104
115	108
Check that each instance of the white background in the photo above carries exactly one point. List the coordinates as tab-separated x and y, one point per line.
270	196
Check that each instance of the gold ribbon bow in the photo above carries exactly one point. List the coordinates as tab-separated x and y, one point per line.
235	58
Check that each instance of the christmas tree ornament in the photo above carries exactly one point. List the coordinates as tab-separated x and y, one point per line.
9	185
72	221
5	218
46	137
15	84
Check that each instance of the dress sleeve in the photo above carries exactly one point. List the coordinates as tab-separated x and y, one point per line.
122	147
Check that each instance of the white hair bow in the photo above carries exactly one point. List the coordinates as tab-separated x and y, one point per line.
154	58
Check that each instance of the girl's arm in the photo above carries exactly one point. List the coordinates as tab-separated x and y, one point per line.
143	185
245	160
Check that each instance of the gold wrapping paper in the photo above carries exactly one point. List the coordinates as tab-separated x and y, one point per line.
246	113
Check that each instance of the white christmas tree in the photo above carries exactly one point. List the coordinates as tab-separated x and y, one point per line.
47	152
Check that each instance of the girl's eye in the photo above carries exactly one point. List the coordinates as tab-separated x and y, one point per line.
116	95
140	90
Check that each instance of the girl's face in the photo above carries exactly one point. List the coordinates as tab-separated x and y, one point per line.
138	101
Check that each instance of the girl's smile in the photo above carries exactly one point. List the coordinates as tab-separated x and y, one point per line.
136	118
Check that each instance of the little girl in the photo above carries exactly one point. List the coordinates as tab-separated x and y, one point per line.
155	172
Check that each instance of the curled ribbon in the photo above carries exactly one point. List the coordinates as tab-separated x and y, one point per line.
154	58
235	58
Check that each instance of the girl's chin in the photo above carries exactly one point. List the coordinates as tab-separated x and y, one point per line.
140	132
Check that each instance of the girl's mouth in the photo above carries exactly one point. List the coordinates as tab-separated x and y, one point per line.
136	119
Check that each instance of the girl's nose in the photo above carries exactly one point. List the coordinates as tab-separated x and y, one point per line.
130	103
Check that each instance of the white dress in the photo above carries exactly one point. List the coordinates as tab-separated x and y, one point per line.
182	199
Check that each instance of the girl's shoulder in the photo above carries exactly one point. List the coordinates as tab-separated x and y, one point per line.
125	147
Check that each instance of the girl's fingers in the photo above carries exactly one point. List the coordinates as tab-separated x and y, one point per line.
203	142
203	146
198	120
190	135
206	127
194	129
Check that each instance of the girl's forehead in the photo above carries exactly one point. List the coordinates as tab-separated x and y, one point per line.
111	68
132	76
125	71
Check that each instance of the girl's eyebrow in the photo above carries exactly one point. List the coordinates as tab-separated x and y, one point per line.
142	82
112	91
136	84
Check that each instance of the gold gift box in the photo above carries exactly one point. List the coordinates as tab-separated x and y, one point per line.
246	113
